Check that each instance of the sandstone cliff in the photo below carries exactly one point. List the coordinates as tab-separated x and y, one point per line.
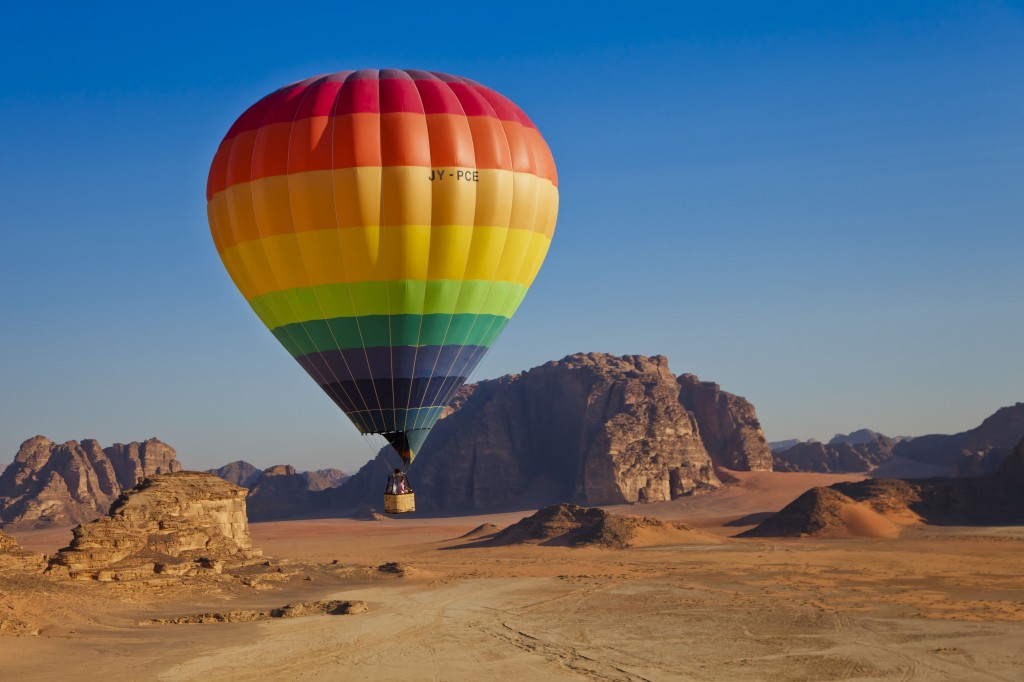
61	484
590	428
728	425
170	524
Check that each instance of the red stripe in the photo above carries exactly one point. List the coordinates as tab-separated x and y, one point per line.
373	91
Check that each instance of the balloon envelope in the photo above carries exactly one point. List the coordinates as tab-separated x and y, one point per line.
384	225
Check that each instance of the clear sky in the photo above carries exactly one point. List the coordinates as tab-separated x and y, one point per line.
818	205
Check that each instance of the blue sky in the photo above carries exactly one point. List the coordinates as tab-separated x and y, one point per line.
817	205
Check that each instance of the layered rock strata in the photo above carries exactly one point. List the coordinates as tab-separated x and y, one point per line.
170	524
728	424
51	484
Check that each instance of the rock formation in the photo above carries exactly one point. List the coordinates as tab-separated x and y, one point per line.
574	526
239	472
281	492
992	499
61	484
826	513
860	451
170	524
728	425
975	452
593	428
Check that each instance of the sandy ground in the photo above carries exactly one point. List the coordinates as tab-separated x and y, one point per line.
937	603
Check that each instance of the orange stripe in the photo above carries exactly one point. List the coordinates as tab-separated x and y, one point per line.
394	139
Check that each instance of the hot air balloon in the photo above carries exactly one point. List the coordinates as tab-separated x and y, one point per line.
384	225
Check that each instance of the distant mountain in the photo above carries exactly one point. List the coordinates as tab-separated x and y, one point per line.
51	484
590	428
239	472
322	479
780	445
976	452
859	451
247	475
862	507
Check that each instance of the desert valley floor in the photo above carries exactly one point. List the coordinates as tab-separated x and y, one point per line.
937	603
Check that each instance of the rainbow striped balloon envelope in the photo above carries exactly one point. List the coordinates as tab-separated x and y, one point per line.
384	225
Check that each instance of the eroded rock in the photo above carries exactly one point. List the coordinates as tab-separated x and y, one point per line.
170	524
51	484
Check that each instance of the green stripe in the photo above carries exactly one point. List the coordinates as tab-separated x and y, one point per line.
367	331
399	297
382	421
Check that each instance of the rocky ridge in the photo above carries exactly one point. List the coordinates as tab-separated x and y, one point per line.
247	475
51	484
859	451
170	524
992	499
975	452
591	428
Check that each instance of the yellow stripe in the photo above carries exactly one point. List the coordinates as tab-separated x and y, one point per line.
336	256
357	197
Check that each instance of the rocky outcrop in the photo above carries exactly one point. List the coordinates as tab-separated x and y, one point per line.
239	472
15	559
170	524
860	451
976	452
728	425
591	428
574	526
992	499
8	545
51	484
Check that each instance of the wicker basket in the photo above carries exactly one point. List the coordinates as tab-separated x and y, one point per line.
399	504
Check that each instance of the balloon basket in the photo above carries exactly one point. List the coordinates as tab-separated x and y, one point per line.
402	503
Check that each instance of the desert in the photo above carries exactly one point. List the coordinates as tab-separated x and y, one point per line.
439	603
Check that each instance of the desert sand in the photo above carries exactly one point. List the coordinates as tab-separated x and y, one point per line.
935	603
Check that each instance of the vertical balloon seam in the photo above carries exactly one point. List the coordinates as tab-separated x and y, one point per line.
273	271
453	387
474	356
384	233
461	281
249	190
419	332
451	392
344	266
531	150
288	150
341	246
